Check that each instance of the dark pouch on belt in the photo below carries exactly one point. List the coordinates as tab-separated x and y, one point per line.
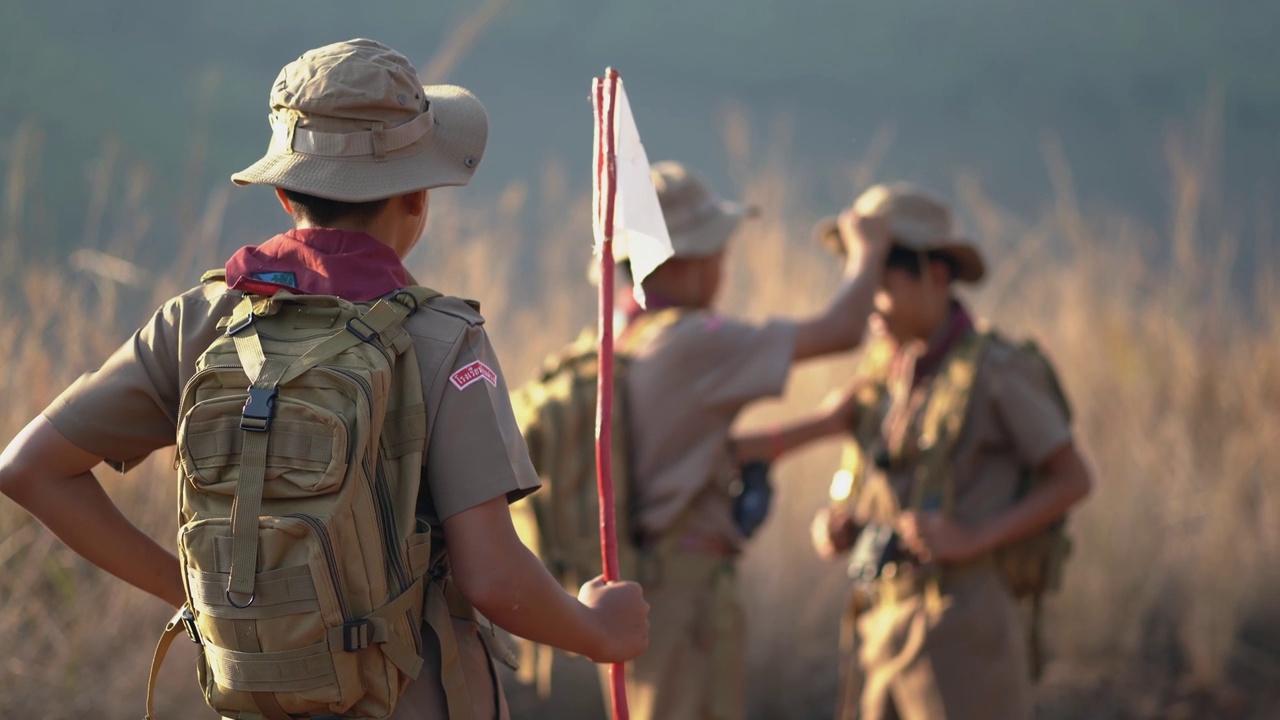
752	495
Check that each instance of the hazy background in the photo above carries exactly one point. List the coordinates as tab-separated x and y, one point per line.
182	86
1117	163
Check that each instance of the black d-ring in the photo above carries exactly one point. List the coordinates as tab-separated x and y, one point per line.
406	299
233	603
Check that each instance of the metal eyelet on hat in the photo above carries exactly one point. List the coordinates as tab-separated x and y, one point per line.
469	161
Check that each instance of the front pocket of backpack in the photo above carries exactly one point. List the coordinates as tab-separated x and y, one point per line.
308	447
282	641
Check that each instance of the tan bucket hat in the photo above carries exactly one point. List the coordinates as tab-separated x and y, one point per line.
352	122
917	221
698	220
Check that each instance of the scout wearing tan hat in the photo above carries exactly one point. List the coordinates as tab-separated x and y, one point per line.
692	370
959	466
356	143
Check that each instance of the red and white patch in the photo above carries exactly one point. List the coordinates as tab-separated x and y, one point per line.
472	374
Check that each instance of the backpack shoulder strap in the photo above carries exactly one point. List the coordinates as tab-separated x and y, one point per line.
943	421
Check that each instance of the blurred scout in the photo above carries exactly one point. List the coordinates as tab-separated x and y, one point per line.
958	473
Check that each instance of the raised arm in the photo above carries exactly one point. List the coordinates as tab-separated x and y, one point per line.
53	479
842	324
835	415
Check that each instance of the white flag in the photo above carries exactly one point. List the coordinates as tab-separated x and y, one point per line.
639	230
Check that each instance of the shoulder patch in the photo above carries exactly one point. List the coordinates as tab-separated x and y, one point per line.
473	373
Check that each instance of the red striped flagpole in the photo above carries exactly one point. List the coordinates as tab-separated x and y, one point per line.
605	100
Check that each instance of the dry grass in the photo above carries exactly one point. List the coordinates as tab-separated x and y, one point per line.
1170	357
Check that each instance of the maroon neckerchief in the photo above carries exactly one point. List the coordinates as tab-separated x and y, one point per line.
627	303
318	261
958	326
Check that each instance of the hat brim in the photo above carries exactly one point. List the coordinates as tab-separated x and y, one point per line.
712	234
448	156
970	267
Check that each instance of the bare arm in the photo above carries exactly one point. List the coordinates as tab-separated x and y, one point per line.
933	535
1067	482
510	586
841	326
53	479
834	416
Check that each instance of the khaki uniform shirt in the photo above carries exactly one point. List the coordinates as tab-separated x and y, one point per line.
685	386
967	658
128	409
1012	423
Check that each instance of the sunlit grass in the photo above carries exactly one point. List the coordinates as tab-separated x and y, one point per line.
1170	358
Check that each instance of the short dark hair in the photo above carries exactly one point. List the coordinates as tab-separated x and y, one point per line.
913	262
324	212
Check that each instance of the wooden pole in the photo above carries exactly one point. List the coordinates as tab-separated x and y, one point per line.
606	190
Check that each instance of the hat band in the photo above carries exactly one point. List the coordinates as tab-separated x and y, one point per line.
287	137
918	230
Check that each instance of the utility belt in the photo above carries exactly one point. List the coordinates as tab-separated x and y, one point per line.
684	549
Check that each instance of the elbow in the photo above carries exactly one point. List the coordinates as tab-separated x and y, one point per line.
846	336
1083	484
15	479
1078	480
486	588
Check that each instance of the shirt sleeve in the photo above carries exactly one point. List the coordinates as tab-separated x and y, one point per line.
127	408
1035	424
739	361
474	449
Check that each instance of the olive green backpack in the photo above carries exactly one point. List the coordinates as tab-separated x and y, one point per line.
300	441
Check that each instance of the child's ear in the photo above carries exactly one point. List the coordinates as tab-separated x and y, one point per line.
284	200
415	203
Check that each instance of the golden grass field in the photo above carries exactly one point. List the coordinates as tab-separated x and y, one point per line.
1172	360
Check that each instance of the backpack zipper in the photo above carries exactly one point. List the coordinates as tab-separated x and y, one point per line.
182	399
331	559
381	496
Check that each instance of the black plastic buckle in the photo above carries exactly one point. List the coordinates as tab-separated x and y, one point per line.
364	336
189	622
240	324
259	409
356	635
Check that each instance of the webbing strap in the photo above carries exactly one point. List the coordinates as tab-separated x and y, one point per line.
378	630
289	441
404	429
943	420
451	674
942	423
245	510
246	639
253	470
276	593
285	671
171	631
366	328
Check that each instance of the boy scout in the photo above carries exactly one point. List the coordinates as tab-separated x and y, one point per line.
356	144
692	371
955	420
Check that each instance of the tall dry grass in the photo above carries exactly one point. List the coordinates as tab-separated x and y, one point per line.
1169	355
